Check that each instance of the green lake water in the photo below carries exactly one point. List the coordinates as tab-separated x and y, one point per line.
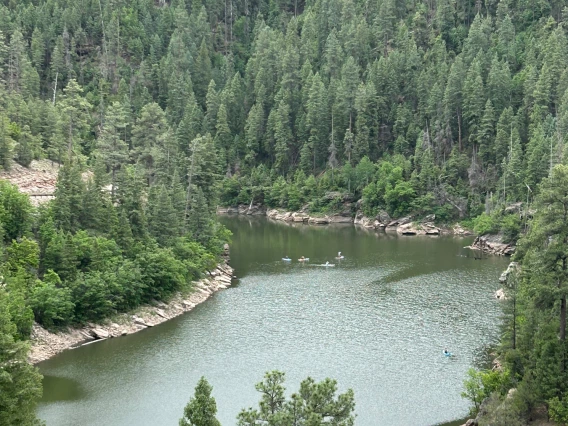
377	322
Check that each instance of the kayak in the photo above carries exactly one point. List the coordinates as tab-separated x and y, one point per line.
286	259
340	257
448	354
305	259
327	264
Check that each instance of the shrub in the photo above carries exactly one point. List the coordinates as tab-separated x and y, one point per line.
510	227
485	224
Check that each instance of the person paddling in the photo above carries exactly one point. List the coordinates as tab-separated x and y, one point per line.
446	352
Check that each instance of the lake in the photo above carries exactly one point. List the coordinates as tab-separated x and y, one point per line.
377	322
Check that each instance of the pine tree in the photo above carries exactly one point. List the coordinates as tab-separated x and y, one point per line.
363	123
151	127
543	254
211	107
253	134
316	121
111	147
6	144
68	203
486	133
73	121
201	74
473	101
223	138
332	56
20	386
201	408
283	137
499	85
453	99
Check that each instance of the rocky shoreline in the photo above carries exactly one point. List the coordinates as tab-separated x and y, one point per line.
403	226
45	344
493	244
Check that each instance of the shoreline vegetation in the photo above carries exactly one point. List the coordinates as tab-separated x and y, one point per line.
453	108
409	225
46	344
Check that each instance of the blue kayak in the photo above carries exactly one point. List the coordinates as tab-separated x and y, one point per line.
448	354
286	259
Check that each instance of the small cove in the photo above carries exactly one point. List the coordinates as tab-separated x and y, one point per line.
377	322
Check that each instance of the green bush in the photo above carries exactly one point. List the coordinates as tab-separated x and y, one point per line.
485	224
510	227
558	410
480	384
52	306
229	193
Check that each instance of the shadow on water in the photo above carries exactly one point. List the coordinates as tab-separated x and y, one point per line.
58	389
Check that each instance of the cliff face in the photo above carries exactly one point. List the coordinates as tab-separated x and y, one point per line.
38	180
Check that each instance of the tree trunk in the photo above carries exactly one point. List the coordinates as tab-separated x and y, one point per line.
563	318
459	131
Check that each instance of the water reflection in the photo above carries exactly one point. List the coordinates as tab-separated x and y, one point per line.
377	322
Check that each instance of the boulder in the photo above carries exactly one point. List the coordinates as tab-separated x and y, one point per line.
430	229
257	210
458	230
500	294
99	333
430	218
512	267
287	217
187	305
318	220
161	313
340	219
397	222
140	321
300	217
272	213
407	229
227	210
383	217
363	220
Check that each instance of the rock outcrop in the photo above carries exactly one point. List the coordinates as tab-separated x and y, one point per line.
46	344
512	267
382	221
493	244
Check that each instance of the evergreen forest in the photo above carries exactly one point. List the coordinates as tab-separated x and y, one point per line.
158	111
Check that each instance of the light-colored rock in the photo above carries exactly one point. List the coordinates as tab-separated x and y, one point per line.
459	230
300	217
227	210
99	333
492	244
408	229
340	219
140	321
161	313
500	294
512	267
318	220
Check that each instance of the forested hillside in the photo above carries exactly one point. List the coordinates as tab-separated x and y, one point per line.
169	108
459	106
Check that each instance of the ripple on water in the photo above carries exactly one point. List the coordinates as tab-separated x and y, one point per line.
377	322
